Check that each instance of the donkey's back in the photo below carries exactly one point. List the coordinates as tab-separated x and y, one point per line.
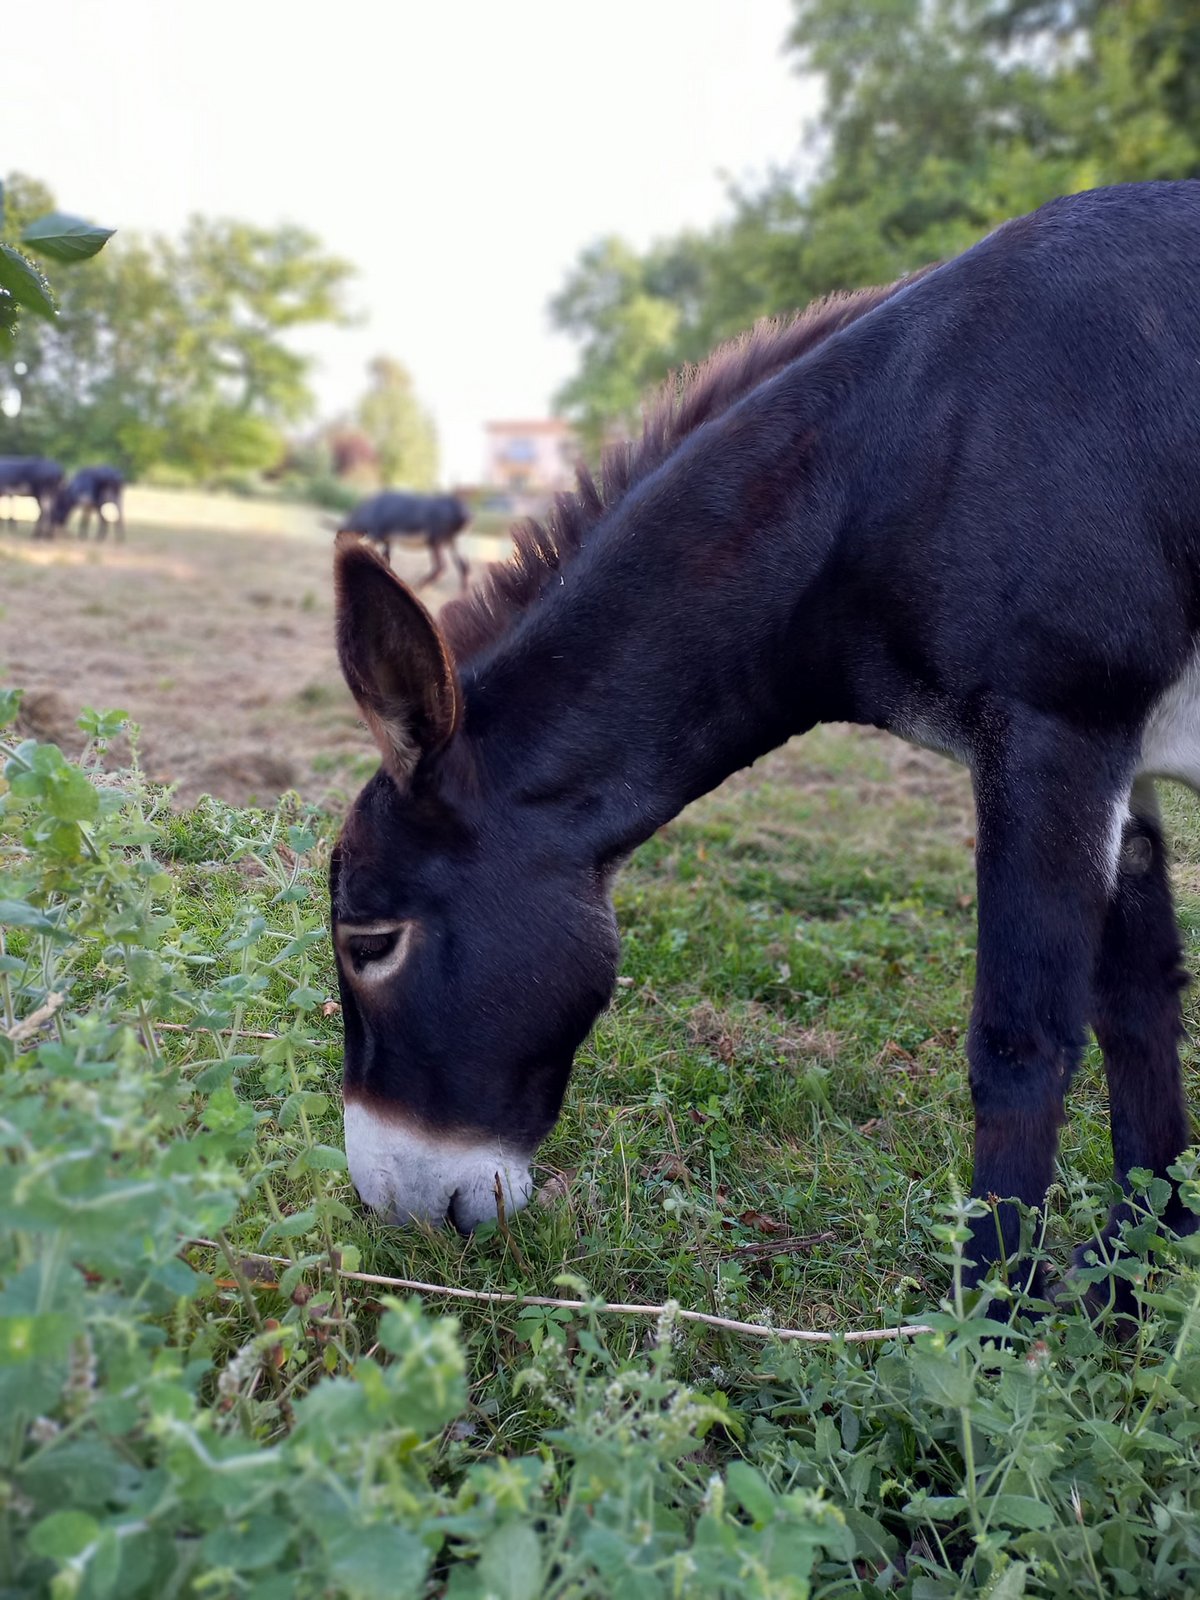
382	516
1019	448
31	475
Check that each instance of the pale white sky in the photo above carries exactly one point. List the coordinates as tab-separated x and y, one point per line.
460	152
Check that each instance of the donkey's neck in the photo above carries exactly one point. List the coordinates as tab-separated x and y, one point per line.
671	654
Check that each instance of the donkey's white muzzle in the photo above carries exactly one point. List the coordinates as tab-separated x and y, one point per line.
410	1176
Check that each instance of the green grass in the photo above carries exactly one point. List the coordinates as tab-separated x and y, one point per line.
785	1053
784	1057
782	1064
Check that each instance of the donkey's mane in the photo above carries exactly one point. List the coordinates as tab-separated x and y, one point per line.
687	400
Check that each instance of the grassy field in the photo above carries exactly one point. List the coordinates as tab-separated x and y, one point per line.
784	1058
770	1124
214	633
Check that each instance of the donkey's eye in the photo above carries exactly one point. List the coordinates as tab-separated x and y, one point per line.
368	947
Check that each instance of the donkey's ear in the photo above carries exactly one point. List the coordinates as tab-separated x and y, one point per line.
393	659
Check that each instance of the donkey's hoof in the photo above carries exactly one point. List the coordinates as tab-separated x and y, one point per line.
1108	1303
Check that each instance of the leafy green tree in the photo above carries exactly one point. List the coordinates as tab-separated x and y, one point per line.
398	426
244	287
177	352
627	329
940	119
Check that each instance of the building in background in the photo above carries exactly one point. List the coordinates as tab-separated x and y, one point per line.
527	462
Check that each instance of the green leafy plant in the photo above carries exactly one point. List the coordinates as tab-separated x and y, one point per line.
199	1398
23	286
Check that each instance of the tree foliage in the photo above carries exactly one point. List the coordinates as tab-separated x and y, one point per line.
398	426
175	352
940	119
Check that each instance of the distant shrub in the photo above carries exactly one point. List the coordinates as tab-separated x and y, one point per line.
245	485
166	475
323	490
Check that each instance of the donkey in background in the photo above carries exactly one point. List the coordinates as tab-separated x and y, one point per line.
91	489
965	508
435	518
35	476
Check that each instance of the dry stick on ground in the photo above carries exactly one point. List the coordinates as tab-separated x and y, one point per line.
754	1330
26	1028
794	1244
241	1033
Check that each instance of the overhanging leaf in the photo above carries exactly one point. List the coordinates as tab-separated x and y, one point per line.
24	282
378	1562
1019	1511
510	1564
65	238
63	1534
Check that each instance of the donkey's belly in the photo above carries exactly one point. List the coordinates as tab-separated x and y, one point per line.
929	722
1171	737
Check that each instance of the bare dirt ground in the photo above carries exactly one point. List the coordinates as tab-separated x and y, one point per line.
212	626
218	643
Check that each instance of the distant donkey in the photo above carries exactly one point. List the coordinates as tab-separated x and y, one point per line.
91	489
35	476
435	518
965	509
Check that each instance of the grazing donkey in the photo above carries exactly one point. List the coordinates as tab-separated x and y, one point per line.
435	518
37	477
91	489
965	508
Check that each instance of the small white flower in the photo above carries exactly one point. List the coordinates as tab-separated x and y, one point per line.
665	1330
238	1370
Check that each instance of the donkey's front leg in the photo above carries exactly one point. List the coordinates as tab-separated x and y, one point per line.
461	563
439	563
1048	806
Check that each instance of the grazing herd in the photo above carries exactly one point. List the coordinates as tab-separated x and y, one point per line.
90	490
435	519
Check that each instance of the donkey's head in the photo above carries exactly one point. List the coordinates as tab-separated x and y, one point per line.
65	501
474	945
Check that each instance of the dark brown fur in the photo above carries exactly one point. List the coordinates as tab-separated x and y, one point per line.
686	401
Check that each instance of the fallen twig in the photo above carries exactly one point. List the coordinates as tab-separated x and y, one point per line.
28	1026
794	1245
228	1033
755	1330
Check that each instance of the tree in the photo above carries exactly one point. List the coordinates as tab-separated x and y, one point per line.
398	426
940	119
245	287
635	316
176	352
